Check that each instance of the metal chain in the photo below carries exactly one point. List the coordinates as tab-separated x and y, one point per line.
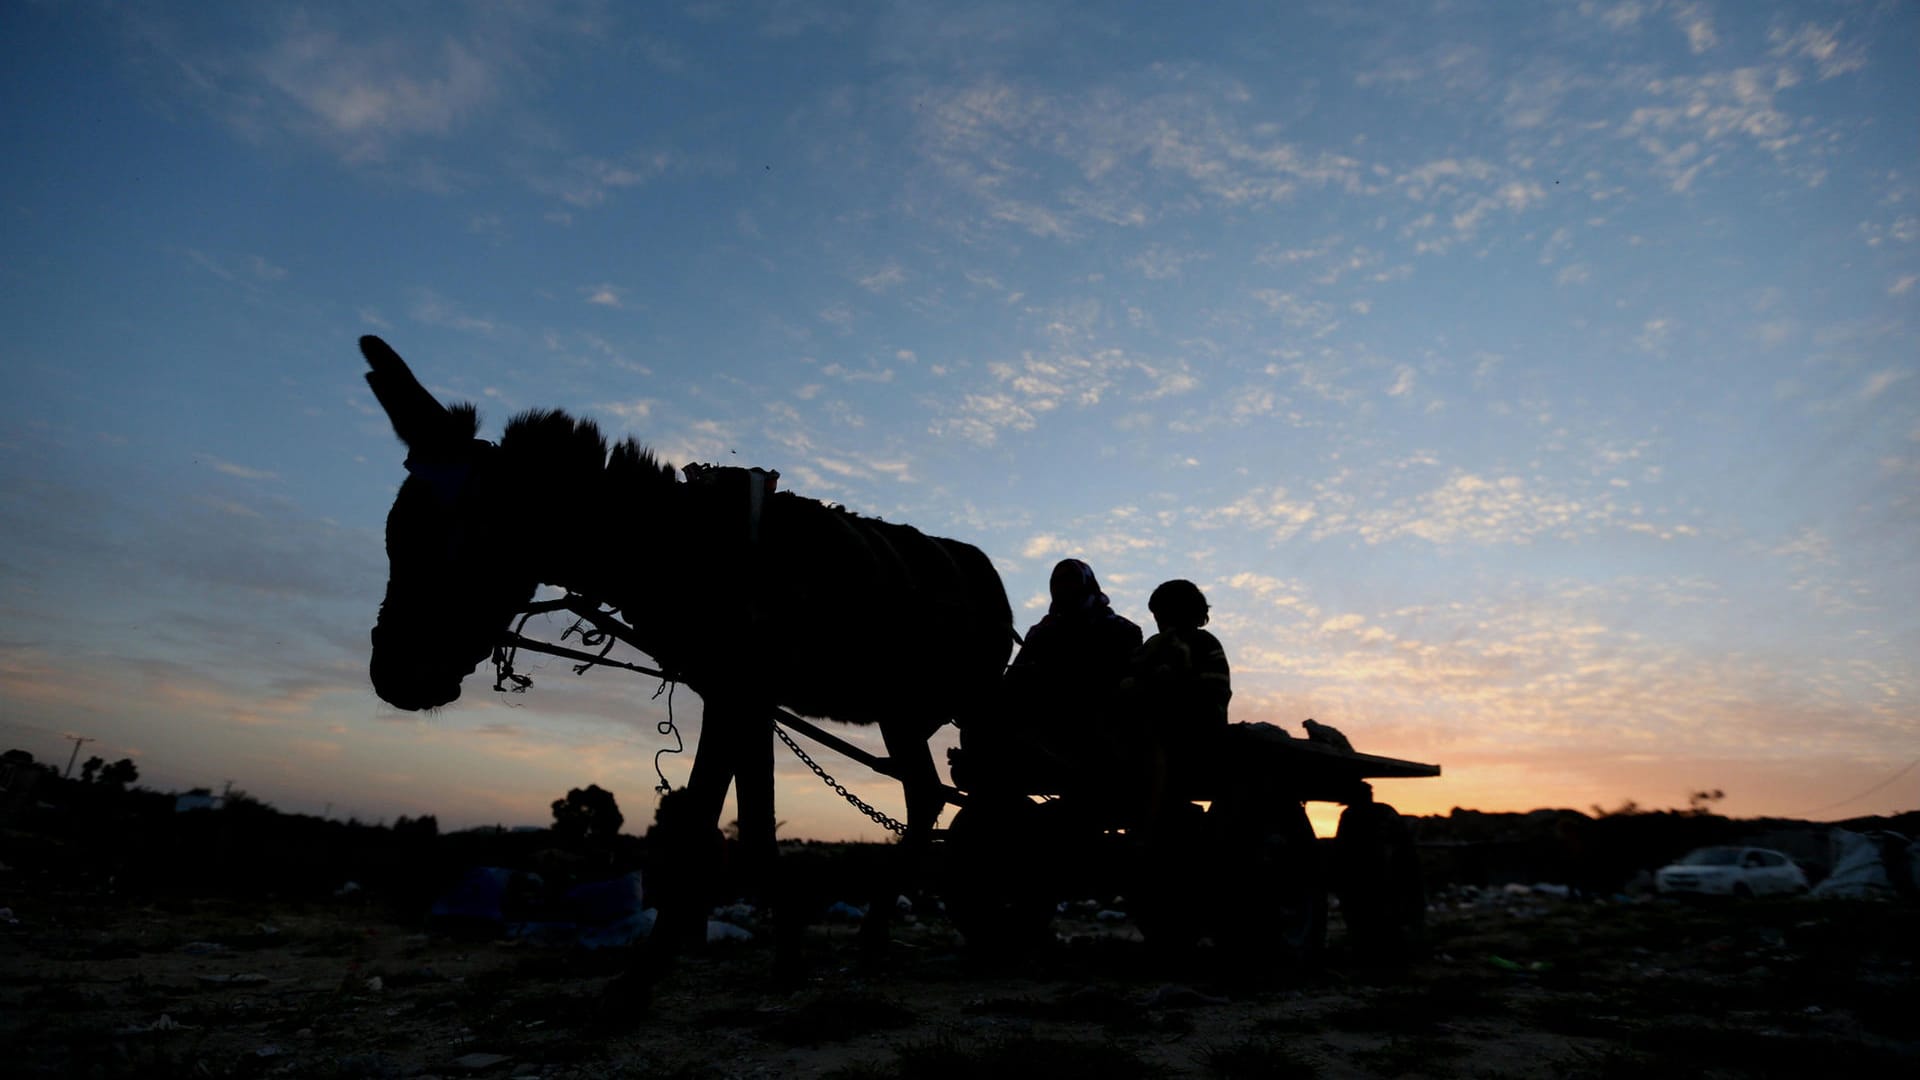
879	817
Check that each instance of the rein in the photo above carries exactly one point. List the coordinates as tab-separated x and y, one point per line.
609	628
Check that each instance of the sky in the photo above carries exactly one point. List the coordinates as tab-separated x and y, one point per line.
1530	387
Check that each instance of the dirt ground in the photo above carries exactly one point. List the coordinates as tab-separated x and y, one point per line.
1513	986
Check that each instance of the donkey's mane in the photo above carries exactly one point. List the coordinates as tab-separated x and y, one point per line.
552	440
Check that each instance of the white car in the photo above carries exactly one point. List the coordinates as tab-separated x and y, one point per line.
1730	871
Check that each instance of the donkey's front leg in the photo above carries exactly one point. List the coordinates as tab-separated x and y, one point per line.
689	854
912	761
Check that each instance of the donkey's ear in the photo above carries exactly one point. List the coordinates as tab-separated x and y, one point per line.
417	418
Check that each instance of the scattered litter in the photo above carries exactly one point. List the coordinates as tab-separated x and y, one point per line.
477	1062
903	905
1109	915
165	1023
202	948
718	931
840	909
347	889
1869	866
1505	964
1172	996
376	984
7	916
268	1051
615	934
735	913
245	979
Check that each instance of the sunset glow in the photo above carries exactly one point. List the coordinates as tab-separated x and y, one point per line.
1530	388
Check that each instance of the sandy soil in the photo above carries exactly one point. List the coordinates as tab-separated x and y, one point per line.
95	985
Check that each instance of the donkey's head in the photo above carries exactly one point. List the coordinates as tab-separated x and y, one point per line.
457	567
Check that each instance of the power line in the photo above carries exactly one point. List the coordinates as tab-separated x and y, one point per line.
1855	798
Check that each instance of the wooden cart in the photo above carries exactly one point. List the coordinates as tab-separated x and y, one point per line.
1230	856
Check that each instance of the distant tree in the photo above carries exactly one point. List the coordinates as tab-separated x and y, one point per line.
92	766
589	814
732	829
1701	802
120	774
236	801
424	827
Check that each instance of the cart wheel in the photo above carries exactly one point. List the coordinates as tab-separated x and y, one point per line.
999	889
1274	878
1377	874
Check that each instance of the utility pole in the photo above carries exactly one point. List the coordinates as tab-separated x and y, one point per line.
78	740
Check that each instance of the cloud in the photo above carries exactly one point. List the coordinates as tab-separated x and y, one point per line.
1272	511
352	91
847	374
229	468
433	309
1162	263
1317	317
248	269
1573	274
604	295
887	277
1624	15
1168	382
1042	546
637	409
1904	230
1056	164
1653	335
1698	26
982	417
586	181
1820	44
379	94
1879	381
1403	381
1903	284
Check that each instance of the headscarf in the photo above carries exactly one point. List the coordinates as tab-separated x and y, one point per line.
1076	592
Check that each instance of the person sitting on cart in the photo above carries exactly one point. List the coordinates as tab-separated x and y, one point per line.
1179	683
1066	678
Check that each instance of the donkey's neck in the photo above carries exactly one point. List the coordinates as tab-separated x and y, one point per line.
620	538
